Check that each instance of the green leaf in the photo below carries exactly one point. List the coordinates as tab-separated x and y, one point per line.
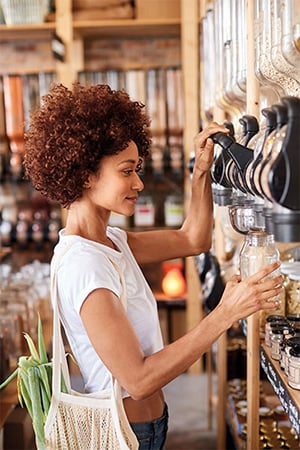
41	343
32	347
11	377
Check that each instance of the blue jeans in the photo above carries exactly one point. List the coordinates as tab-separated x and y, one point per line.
152	435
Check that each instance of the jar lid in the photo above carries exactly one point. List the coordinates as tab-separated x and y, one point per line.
278	330
295	351
292	341
241	404
274	317
278	324
243	411
287	267
293	317
294	276
264	411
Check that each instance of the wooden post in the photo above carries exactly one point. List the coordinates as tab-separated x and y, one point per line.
253	339
67	70
190	70
222	391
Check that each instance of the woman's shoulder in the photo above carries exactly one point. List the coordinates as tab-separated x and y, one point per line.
77	251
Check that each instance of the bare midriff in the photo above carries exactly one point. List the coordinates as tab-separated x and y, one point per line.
145	410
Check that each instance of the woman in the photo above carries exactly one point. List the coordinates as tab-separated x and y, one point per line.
84	149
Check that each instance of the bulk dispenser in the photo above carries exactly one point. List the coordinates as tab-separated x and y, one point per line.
270	173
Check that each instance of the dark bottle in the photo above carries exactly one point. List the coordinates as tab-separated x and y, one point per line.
37	229
22	230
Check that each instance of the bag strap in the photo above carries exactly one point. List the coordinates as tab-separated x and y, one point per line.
59	358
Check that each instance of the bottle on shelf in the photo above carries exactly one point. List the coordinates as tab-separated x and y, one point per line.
144	215
173	210
14	116
258	251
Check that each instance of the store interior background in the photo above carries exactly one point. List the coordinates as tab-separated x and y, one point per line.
190	62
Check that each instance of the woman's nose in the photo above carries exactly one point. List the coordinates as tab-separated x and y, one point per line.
138	184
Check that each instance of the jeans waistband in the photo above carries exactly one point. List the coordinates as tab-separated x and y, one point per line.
153	425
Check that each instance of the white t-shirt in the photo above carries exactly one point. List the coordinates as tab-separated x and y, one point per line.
86	267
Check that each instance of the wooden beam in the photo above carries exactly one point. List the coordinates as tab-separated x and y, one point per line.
190	70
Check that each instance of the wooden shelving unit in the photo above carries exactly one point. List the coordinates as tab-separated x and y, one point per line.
256	355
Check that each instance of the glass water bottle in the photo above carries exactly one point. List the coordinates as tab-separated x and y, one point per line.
258	251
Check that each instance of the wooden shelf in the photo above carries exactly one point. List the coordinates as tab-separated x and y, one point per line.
95	28
27	31
233	423
289	397
126	28
89	29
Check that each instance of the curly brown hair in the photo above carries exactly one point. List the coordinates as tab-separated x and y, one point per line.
72	131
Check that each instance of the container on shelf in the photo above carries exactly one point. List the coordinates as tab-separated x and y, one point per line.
24	11
293	293
144	215
272	319
173	210
276	342
294	367
290	343
157	9
258	251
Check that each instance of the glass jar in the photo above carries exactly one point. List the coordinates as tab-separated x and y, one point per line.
276	343
290	343
144	211
263	67
258	251
290	37
294	368
293	293
287	267
292	86
272	319
173	210
288	333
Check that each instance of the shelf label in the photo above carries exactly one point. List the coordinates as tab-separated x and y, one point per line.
288	404
58	48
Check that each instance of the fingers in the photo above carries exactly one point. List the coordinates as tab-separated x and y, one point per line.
204	146
261	274
266	294
264	289
235	279
212	128
254	293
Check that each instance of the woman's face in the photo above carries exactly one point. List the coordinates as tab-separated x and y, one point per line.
117	184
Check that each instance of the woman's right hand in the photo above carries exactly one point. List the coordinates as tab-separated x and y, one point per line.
259	291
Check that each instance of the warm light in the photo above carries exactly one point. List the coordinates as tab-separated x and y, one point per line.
173	283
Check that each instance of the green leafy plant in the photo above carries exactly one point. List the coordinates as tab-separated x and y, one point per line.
34	384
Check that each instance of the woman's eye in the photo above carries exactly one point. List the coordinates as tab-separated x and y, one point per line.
128	171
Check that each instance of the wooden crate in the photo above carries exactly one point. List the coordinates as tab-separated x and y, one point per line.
157	9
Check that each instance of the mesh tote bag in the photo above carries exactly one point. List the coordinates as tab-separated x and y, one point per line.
77	421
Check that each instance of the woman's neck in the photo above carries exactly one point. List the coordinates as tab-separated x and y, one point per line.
88	223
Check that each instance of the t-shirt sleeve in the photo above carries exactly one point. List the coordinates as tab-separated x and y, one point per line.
83	270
